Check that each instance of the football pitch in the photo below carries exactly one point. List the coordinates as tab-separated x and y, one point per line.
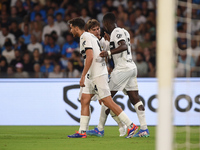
55	138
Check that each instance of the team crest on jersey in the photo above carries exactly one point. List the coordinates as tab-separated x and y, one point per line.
119	36
83	43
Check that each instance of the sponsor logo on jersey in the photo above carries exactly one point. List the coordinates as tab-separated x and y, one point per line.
119	36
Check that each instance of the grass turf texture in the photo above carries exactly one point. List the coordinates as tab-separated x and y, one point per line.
55	138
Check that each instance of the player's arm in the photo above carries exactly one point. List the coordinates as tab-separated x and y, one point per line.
88	62
122	47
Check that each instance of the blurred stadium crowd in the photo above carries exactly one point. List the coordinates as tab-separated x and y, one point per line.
35	41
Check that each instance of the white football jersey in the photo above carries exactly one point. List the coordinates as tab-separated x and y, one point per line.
123	60
105	45
98	66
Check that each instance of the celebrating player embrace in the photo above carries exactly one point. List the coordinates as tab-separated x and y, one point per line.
96	71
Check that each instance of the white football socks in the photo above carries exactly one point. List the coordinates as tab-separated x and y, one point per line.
89	118
141	116
124	118
84	121
116	118
103	117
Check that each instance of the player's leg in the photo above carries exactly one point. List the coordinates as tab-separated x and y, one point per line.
80	94
103	92
122	126
99	130
140	110
131	90
132	128
84	120
87	94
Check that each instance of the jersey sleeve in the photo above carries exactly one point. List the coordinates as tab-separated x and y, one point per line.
86	42
118	35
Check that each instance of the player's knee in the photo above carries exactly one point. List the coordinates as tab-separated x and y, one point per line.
141	108
84	101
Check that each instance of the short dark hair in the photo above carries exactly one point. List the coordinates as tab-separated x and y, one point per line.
109	17
92	23
77	22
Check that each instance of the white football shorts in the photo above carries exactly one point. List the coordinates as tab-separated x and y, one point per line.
98	86
123	81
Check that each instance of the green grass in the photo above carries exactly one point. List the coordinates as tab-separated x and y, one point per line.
55	138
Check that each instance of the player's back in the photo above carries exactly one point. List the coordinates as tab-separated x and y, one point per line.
122	60
98	66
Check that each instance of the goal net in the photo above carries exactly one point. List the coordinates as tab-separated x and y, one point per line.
178	61
187	65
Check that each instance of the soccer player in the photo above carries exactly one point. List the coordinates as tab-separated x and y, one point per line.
93	26
96	71
123	76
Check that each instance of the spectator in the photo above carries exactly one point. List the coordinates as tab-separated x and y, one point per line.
57	9
14	16
37	57
50	27
37	31
147	54
3	64
142	66
56	73
131	23
130	7
139	17
9	52
26	36
81	4
37	9
194	50
20	45
69	47
64	4
84	15
19	71
36	73
27	63
40	21
21	11
46	68
145	10
92	12
75	65
109	4
99	4
10	72
122	15
46	40
61	24
104	10
25	22
18	58
51	48
59	40
152	67
14	29
185	64
147	41
4	19
117	3
6	34
34	45
28	5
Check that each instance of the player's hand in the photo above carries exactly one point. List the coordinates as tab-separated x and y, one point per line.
103	54
106	36
82	81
